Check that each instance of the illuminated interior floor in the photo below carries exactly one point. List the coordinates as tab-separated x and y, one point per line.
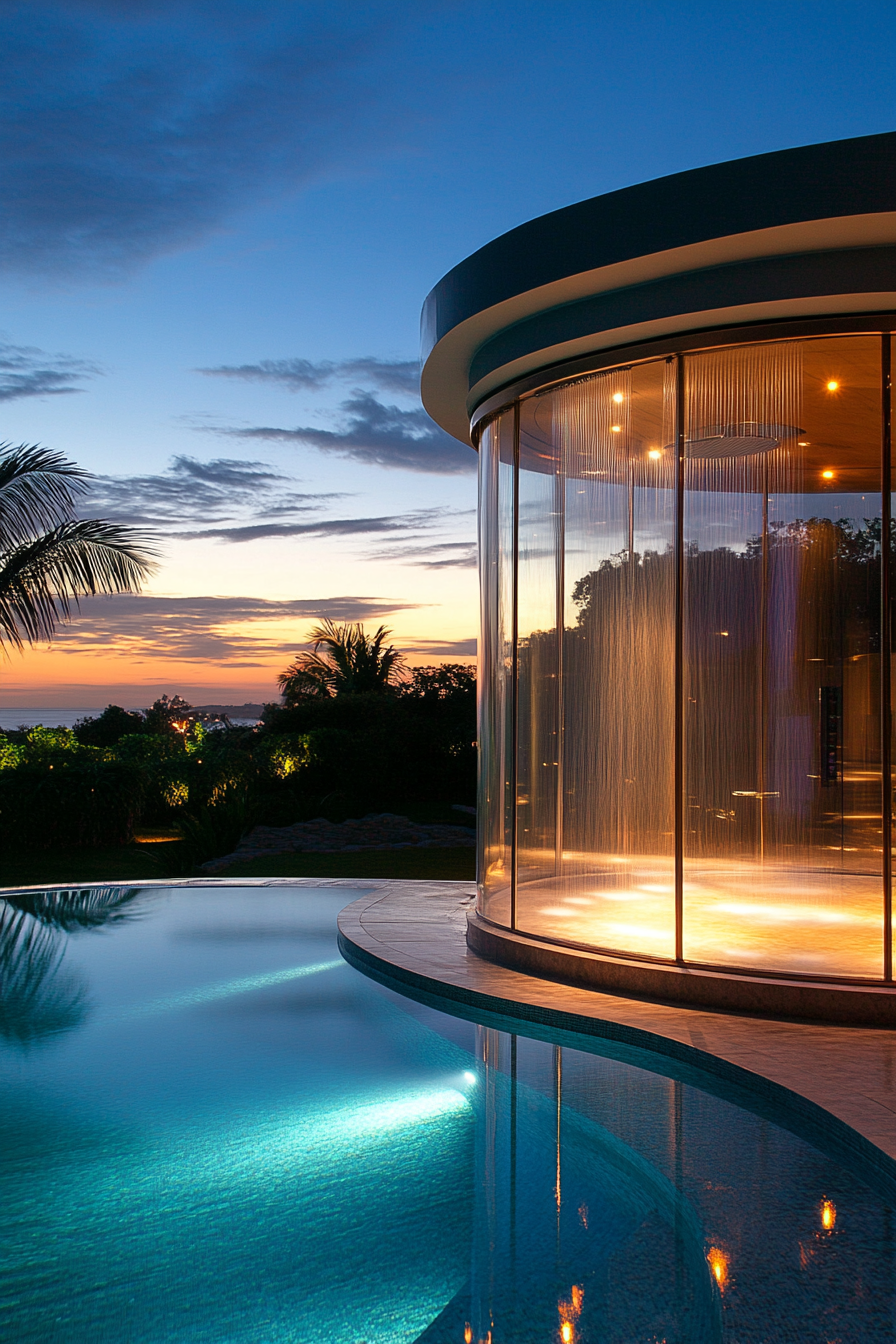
735	913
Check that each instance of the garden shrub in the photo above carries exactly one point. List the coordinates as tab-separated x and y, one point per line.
10	753
108	728
80	803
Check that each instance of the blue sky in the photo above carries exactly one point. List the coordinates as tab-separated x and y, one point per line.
218	224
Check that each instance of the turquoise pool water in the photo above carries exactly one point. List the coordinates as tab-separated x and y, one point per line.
214	1129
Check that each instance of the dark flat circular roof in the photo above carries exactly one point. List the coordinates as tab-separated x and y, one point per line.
653	258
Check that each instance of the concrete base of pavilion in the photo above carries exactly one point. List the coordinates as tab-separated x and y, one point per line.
856	1003
833	1084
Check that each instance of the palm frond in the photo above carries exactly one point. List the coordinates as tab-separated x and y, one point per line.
37	999
41	580
77	908
353	662
38	491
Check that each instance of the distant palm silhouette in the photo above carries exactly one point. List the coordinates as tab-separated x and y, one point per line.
49	558
353	662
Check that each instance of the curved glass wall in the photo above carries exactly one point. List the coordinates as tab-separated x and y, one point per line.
685	599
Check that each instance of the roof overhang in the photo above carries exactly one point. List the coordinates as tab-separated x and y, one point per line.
525	301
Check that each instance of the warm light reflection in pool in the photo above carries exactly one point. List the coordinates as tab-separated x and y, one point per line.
569	1310
718	1265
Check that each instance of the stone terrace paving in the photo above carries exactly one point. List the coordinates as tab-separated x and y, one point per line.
378	830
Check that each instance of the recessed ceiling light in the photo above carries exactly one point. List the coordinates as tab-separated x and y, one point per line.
827	475
833	385
618	397
617	429
655	454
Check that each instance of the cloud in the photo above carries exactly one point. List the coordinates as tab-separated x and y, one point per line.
400	376
439	555
378	435
193	499
26	371
433	648
128	130
236	500
238	632
325	527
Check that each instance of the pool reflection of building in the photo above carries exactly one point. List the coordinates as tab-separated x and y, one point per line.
680	394
605	1209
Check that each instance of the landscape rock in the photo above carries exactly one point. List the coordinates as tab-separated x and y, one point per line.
377	831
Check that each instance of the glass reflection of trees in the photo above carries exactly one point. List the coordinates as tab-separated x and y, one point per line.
831	568
39	998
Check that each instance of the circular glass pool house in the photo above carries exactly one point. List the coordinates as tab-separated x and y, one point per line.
681	397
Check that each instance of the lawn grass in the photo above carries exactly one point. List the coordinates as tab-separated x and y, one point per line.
128	863
459	865
133	863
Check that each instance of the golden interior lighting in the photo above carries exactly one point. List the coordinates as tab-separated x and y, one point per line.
468	1334
828	1215
827	475
654	454
618	397
617	429
718	1264
802	443
833	385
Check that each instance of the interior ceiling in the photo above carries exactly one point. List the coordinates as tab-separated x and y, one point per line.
839	433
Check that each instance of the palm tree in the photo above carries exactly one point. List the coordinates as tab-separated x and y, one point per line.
50	558
353	661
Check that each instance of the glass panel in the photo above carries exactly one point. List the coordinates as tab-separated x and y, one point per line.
612	879
538	663
782	844
891	560
495	732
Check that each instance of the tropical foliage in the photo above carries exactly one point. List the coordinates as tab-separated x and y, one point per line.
345	660
386	745
50	558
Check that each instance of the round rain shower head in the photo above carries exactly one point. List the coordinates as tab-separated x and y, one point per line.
740	440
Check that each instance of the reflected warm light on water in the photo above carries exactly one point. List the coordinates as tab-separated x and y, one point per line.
718	1264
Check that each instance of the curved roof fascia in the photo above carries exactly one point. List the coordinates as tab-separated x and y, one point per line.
799	232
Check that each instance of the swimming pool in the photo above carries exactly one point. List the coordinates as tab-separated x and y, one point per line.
213	1129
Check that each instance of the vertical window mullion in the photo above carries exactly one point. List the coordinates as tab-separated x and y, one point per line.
514	708
679	728
886	762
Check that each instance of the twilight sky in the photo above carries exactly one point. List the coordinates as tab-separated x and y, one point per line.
218	221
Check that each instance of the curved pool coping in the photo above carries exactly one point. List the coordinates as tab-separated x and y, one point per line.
833	1085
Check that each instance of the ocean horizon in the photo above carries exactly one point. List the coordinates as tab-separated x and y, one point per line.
26	716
